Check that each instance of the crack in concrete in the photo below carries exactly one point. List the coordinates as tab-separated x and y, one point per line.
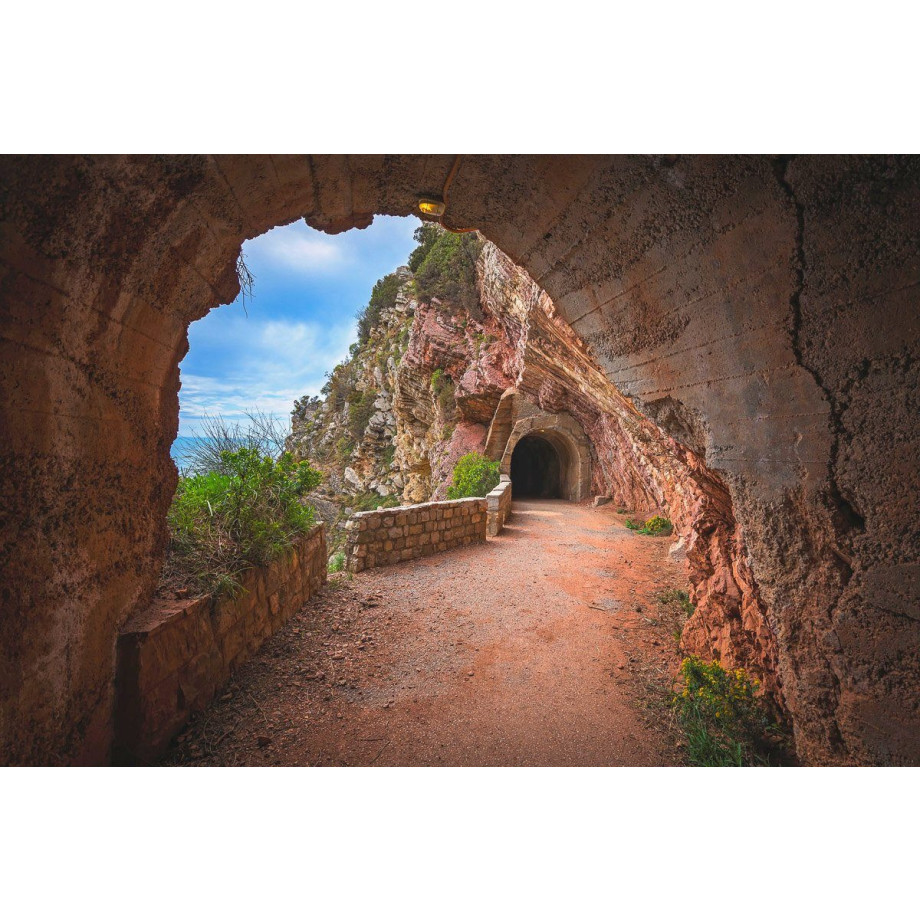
851	518
845	517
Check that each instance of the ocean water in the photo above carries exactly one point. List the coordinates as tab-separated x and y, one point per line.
182	449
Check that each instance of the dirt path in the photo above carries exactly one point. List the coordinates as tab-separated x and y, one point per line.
546	646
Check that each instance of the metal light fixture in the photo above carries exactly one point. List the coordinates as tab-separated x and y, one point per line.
432	207
435	207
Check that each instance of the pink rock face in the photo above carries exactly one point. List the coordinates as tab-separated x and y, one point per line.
479	357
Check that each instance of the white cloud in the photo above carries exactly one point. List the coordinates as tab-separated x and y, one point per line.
298	248
269	365
299	325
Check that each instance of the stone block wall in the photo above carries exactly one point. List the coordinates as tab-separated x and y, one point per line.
392	535
173	658
499	505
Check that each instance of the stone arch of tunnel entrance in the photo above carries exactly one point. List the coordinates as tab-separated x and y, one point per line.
758	309
548	456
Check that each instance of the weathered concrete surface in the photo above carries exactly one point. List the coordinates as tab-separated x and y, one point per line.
762	311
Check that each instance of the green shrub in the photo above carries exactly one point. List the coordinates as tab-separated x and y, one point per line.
426	235
656	526
474	476
336	562
339	385
448	270
723	721
222	523
343	447
383	297
360	410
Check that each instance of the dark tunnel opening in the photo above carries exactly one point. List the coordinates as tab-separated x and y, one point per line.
536	468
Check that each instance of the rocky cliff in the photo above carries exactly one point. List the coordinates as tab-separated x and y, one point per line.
424	387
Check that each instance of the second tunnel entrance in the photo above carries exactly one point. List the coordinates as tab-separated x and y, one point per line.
548	456
536	468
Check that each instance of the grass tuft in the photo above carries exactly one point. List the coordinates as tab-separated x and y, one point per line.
656	526
336	562
244	512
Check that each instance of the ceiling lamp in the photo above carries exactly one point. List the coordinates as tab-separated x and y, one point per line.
432	207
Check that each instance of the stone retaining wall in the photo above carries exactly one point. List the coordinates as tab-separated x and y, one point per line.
392	535
174	657
499	504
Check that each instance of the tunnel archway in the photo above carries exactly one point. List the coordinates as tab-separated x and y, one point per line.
552	457
536	468
707	287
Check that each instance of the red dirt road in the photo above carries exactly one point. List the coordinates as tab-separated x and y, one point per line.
543	647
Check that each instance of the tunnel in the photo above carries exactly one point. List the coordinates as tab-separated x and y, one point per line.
759	311
536	468
548	456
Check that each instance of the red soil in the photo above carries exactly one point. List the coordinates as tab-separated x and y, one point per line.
546	646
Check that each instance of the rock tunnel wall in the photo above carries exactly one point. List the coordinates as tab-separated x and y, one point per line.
762	311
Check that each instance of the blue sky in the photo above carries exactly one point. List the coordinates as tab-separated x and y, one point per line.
301	319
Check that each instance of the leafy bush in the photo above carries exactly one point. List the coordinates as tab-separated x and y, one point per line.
724	722
426	236
336	562
224	522
448	270
383	297
474	476
340	385
343	447
656	526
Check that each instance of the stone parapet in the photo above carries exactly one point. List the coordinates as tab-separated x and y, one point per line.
175	656
499	505
391	535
